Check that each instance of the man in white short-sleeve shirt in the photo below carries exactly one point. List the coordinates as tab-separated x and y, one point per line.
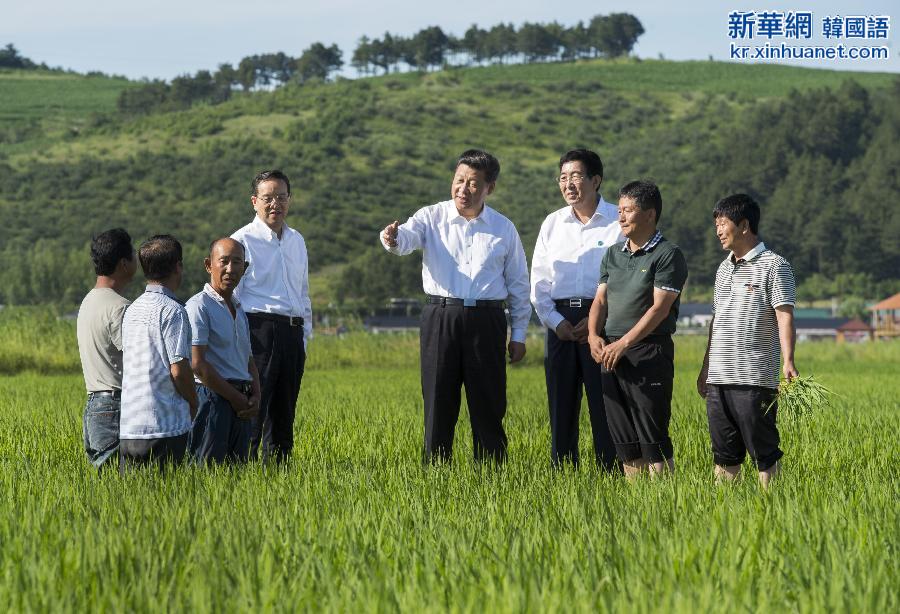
753	318
158	397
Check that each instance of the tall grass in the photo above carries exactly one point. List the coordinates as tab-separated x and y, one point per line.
355	523
37	339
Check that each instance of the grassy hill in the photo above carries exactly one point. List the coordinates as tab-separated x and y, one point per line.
39	107
364	152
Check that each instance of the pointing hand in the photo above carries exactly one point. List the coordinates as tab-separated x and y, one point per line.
390	234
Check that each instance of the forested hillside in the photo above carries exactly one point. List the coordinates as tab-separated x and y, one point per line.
819	149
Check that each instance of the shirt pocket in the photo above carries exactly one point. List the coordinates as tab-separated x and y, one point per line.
750	294
489	253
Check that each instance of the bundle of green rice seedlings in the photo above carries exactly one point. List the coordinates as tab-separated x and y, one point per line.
802	396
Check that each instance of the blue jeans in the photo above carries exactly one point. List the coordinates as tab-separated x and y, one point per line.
100	428
218	435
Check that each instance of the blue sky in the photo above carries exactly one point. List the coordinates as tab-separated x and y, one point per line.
165	38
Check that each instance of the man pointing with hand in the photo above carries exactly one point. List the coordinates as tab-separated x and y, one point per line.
472	262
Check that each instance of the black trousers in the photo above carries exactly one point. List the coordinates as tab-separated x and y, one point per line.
464	346
638	399
279	355
163	451
568	366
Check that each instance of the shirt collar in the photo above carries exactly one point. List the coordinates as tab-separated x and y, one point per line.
603	210
607	209
208	289
455	217
648	246
160	289
753	253
261	228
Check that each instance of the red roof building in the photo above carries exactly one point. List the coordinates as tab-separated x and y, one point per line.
886	317
854	330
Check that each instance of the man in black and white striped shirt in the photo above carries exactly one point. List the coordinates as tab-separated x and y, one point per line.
753	314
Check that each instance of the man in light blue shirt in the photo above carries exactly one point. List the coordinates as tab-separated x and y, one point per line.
158	397
227	380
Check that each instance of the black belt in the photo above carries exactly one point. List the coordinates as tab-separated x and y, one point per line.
274	317
465	302
573	302
116	394
245	388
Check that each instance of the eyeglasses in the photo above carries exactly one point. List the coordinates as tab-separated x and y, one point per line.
279	198
576	178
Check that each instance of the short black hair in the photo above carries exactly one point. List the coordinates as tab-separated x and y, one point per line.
481	161
273	174
738	207
160	255
108	248
592	163
645	195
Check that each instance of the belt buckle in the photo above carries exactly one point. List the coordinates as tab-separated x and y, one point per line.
574	302
294	320
469	302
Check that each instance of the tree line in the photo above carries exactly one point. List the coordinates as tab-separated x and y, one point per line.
431	48
265	70
603	36
11	58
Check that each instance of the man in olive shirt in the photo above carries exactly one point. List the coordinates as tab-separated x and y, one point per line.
630	326
99	332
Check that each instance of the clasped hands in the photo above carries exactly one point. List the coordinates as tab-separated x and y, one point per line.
245	407
566	332
606	354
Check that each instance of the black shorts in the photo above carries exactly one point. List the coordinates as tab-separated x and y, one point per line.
638	400
741	421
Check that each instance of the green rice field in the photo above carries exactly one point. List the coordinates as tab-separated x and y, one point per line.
354	522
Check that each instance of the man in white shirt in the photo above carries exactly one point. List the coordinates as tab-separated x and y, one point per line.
274	293
158	397
565	269
472	262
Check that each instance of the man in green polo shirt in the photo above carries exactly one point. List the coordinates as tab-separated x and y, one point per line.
630	325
